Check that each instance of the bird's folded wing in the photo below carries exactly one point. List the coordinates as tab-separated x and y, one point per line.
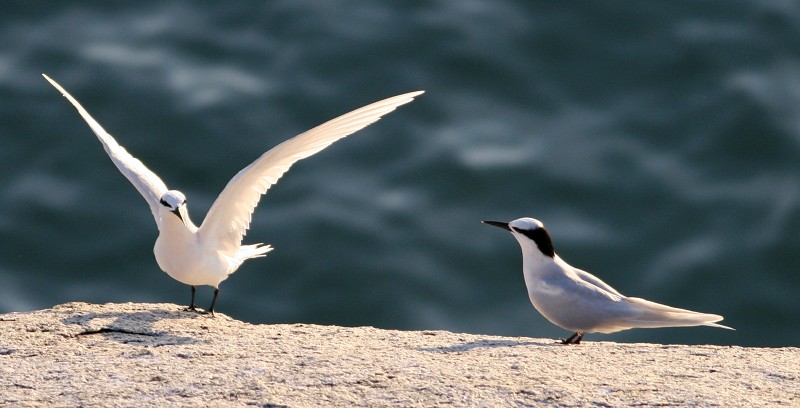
652	314
594	280
230	215
148	183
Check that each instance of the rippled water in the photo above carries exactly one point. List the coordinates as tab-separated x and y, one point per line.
658	141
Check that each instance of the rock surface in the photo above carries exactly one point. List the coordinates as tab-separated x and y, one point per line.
80	354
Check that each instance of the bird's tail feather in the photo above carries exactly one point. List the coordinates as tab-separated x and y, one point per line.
253	251
657	315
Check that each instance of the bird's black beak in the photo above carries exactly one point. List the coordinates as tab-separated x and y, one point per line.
178	213
503	225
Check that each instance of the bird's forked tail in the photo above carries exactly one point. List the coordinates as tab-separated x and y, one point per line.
253	251
657	315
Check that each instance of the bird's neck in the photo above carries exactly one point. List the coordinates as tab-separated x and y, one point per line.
537	265
173	226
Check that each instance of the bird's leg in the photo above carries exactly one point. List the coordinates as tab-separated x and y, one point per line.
213	302
192	307
574	339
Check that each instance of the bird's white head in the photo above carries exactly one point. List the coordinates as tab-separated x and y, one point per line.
530	233
175	202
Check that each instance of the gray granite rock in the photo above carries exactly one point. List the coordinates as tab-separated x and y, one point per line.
80	354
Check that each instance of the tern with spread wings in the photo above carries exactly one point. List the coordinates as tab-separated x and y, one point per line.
208	254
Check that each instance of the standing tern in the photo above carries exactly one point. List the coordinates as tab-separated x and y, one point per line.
208	254
578	301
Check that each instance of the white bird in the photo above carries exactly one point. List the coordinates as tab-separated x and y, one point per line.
208	254
578	301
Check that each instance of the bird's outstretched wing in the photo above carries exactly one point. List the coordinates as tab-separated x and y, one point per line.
230	215
149	185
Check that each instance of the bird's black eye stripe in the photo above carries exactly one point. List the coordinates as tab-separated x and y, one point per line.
542	239
164	203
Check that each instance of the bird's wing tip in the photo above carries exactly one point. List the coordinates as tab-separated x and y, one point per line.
411	95
721	326
55	84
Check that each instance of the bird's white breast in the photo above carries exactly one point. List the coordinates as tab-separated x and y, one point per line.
179	253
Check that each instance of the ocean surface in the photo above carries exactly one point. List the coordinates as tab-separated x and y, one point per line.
659	142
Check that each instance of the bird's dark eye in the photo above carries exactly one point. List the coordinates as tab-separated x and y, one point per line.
165	203
542	239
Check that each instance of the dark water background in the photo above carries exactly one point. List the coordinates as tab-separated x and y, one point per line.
658	141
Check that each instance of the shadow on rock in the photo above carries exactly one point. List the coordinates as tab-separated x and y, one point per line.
483	344
132	327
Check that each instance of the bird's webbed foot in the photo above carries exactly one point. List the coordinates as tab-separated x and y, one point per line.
574	339
192	307
213	302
